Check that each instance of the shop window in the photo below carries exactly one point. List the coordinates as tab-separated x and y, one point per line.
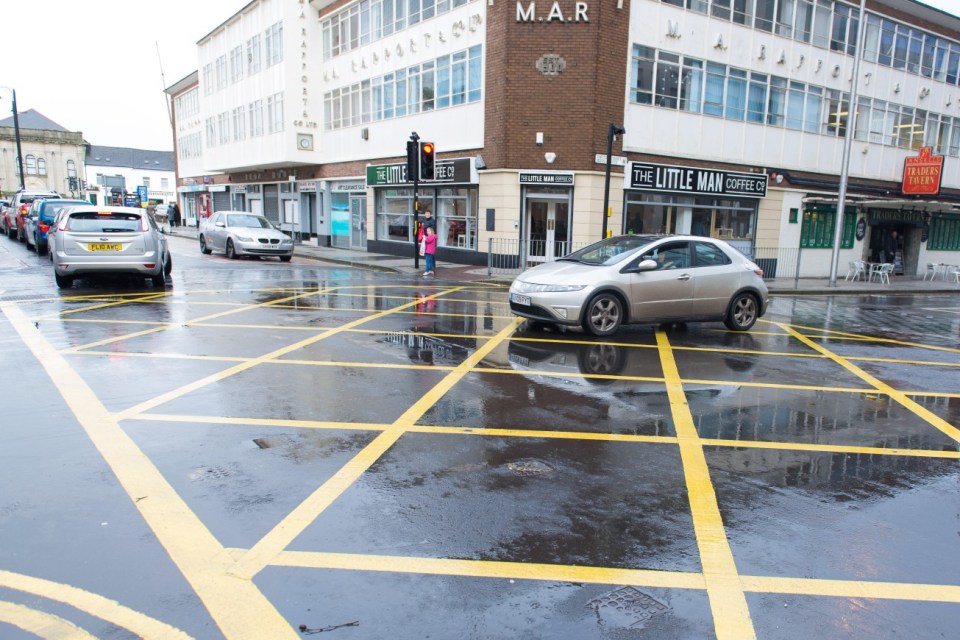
817	229
944	234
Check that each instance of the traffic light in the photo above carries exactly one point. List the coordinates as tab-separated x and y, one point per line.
413	166
427	153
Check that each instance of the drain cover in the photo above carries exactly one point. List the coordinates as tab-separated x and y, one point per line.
210	473
529	467
627	607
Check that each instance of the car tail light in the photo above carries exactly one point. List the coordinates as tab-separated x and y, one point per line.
143	224
44	227
63	224
150	265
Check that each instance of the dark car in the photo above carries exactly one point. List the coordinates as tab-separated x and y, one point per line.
12	219
40	219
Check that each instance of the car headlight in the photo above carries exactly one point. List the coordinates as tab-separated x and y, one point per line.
530	287
244	238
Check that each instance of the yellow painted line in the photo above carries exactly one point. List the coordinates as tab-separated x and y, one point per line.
112	322
106	304
136	334
731	616
541	434
237	606
491	569
832	334
276	540
41	623
854	589
931	394
160	356
92	604
243	366
919	363
364	365
899	396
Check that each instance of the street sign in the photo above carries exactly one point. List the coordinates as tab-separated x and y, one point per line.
620	161
142	193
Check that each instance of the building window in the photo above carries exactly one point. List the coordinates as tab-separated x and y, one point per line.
30	164
273	42
817	229
189	146
236	64
146	182
207	79
41	166
188	104
211	129
455	209
255	118
944	233
164	183
71	169
239	120
221	71
275	113
253	55
223	128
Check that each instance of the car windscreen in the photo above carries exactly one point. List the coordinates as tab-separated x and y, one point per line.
609	251
104	222
249	222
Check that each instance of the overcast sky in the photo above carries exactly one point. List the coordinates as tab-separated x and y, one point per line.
93	67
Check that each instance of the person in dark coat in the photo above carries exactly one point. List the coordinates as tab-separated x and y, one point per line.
173	212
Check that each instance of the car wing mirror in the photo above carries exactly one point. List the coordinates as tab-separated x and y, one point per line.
220	224
643	265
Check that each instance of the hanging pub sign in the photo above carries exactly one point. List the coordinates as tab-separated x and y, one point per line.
667	178
922	173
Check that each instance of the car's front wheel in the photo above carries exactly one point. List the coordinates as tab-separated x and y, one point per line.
604	315
231	250
285	258
203	245
743	312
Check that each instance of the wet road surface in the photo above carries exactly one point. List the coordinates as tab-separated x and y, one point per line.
261	446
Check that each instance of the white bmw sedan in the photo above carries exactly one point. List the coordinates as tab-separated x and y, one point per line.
240	233
640	279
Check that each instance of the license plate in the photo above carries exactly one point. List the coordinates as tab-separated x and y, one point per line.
104	246
519	299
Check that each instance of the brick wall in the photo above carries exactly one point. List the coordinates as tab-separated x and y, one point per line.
574	108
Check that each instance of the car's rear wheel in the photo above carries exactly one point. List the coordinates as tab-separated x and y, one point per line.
604	315
41	249
64	282
743	312
168	267
231	250
203	245
159	281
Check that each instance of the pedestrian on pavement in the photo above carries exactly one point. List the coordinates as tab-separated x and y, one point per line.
173	212
429	251
890	246
428	220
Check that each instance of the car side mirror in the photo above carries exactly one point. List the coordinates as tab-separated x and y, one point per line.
220	224
643	265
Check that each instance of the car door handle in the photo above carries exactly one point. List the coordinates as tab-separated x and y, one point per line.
685	276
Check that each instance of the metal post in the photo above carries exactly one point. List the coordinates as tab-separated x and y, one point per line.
847	144
16	131
416	202
612	131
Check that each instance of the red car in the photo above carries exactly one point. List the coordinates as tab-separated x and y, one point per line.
12	218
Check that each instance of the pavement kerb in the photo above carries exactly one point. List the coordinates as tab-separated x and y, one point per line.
900	285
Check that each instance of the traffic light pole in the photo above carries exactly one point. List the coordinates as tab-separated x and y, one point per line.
414	138
612	131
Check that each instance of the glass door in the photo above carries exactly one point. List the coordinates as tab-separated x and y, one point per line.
548	225
358	221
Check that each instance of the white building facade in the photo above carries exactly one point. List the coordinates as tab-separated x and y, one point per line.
734	114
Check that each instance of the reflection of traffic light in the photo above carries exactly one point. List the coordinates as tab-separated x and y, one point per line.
413	167
427	152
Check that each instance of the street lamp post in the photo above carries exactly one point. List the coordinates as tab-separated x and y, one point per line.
16	133
612	131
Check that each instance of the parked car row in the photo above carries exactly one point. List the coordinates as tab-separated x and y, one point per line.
84	239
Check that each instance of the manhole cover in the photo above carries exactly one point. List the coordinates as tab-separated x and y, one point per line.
627	607
210	473
529	467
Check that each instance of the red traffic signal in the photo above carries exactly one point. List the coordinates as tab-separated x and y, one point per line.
427	153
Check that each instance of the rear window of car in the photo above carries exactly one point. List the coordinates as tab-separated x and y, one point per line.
104	222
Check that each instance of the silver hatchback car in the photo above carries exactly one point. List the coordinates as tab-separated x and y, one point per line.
640	279
93	239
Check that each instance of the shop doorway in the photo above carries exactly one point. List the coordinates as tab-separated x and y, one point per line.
887	245
358	221
548	229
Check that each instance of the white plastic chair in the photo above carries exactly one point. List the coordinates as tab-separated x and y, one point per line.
883	273
857	268
931	270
